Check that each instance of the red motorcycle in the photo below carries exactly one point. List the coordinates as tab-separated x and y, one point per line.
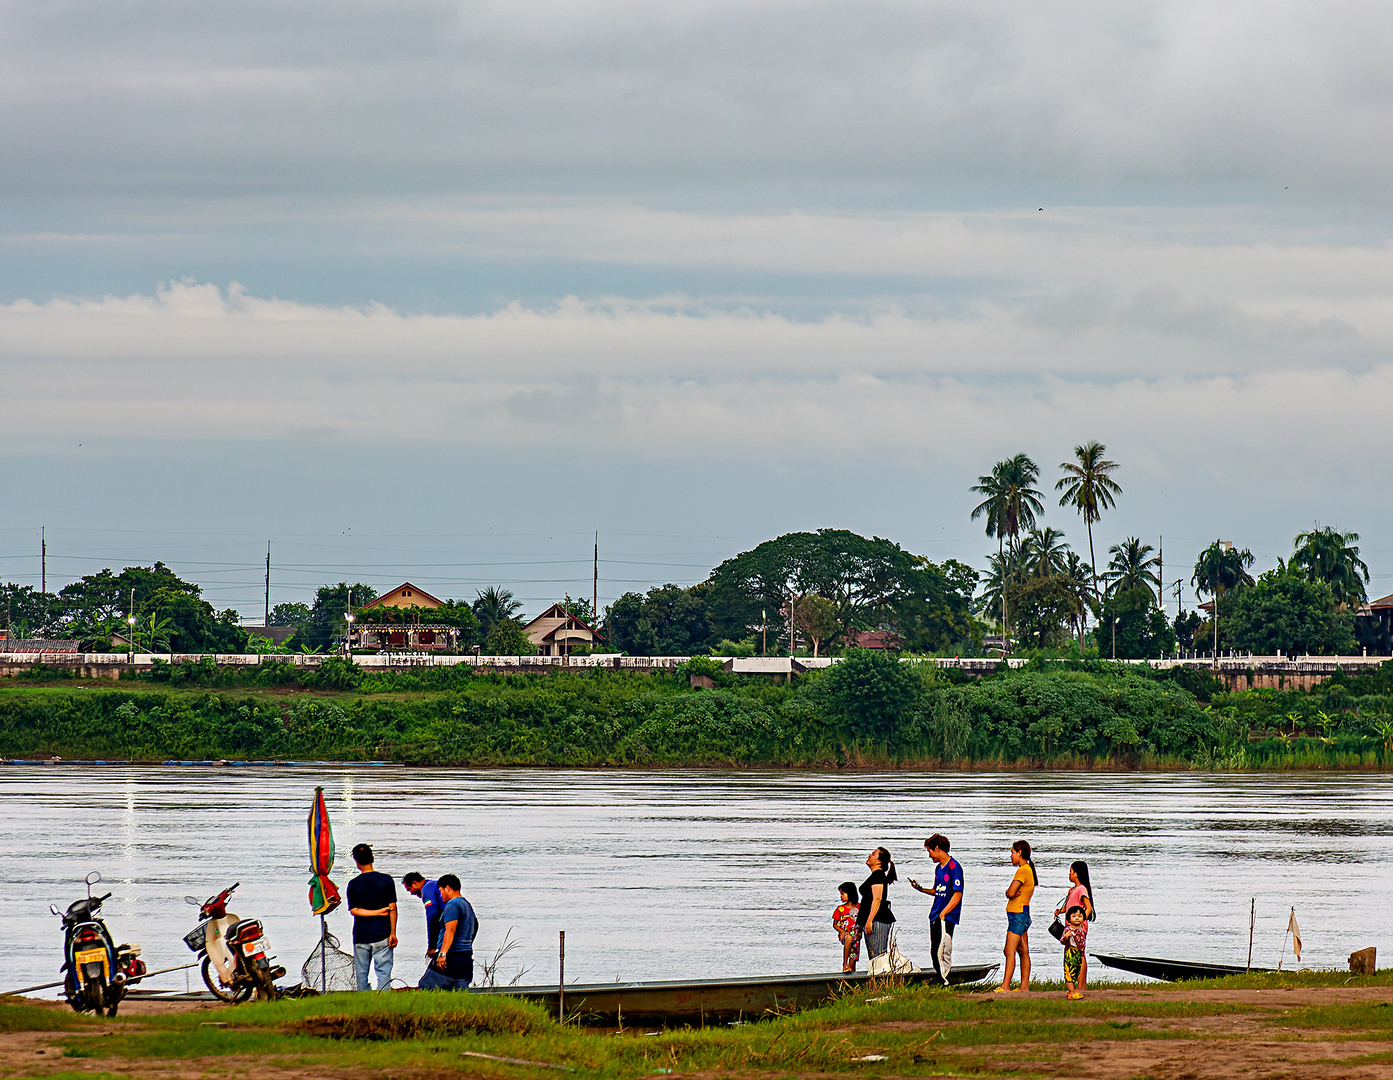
235	961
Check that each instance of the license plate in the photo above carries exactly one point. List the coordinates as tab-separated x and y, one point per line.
91	956
251	948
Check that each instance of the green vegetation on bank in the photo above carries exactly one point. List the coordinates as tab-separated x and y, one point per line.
882	1029
871	709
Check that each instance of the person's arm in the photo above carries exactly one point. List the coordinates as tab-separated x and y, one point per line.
366	912
954	901
921	888
1013	889
445	942
392	933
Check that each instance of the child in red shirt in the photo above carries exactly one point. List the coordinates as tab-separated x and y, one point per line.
844	922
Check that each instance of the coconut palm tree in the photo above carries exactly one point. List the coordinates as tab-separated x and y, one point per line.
1010	505
1076	576
1132	566
1088	486
1332	557
493	606
1044	552
1221	568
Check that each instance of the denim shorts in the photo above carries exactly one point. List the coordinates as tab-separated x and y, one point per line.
1018	922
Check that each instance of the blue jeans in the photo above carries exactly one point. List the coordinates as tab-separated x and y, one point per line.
1018	922
458	973
378	955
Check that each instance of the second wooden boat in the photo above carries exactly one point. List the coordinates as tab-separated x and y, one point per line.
1171	970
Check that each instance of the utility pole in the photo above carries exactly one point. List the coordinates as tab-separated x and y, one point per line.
267	620
43	559
595	584
1161	573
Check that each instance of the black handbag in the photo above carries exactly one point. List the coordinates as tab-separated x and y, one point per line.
1057	930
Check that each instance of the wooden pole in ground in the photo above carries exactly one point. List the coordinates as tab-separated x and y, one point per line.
561	983
1253	917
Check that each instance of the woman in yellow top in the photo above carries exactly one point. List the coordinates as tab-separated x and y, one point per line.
1018	895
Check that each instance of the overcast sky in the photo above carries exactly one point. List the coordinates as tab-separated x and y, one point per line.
438	290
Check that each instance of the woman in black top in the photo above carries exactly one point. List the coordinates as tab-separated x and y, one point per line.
875	917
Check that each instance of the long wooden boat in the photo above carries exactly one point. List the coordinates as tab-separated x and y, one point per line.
716	1000
1171	970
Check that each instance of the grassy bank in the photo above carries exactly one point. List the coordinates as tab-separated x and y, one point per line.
868	711
1333	1025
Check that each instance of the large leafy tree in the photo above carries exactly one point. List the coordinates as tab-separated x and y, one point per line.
874	583
1284	612
1088	486
1130	623
331	604
873	692
668	621
1132	566
1332	557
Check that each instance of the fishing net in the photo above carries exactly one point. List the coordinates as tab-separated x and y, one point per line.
328	968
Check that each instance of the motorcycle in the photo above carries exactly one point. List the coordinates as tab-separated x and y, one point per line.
96	971
235	961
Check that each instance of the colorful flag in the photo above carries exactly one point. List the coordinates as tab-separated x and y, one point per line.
324	895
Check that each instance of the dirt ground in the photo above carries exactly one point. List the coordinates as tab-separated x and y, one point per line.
1246	1045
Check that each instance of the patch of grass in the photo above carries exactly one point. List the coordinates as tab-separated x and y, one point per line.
20	1014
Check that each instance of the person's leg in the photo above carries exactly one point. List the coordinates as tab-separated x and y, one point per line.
1013	944
935	936
877	939
1083	970
362	959
382	964
1025	962
946	949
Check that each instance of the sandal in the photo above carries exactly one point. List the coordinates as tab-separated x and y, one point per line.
1001	990
1074	995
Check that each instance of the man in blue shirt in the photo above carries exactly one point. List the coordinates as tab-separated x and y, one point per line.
453	967
434	903
947	906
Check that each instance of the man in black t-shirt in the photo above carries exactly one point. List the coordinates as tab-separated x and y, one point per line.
372	901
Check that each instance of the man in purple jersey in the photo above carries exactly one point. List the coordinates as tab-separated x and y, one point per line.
947	906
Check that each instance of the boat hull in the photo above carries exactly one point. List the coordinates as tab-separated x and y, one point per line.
1171	970
716	1000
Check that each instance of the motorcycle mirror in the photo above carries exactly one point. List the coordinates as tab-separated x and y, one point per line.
195	901
54	908
93	877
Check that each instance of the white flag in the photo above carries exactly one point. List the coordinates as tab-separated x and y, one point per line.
1295	932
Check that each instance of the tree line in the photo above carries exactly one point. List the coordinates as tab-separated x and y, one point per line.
1042	595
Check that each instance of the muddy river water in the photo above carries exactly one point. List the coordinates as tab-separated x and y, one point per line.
699	874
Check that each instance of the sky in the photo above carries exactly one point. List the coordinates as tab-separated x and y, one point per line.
439	291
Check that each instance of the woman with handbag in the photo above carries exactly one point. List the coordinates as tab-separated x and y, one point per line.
875	917
1081	896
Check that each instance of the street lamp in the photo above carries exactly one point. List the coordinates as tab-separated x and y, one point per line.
348	638
130	638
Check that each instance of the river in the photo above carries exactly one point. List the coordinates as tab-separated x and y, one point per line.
660	875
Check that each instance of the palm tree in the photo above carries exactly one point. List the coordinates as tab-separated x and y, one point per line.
1330	556
1221	568
1088	486
1076	576
1132	566
493	606
1011	504
1044	552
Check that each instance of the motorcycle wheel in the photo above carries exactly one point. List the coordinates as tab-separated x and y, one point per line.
95	996
234	994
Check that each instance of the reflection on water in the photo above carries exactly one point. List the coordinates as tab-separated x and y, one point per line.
673	874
